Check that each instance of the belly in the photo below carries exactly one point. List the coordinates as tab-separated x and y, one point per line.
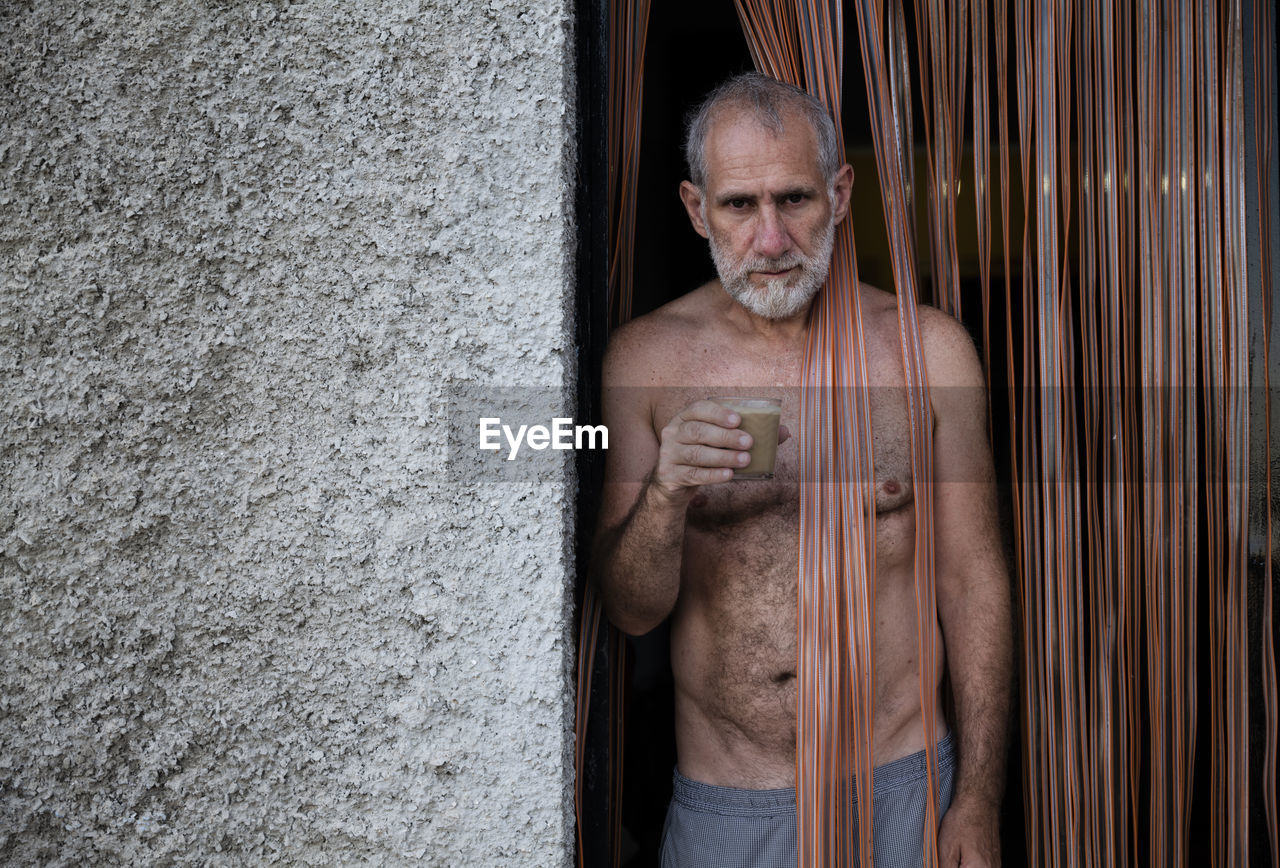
735	652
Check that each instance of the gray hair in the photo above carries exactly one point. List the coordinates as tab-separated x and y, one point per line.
765	99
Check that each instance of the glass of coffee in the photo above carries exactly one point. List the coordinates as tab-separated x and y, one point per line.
760	418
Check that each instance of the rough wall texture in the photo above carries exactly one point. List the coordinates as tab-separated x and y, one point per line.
246	614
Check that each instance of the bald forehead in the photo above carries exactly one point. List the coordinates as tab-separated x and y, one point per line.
736	134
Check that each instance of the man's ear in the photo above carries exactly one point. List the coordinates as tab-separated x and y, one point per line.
692	198
843	190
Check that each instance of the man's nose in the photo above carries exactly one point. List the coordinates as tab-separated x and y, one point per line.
772	237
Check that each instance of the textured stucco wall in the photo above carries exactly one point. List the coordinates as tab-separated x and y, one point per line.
246	613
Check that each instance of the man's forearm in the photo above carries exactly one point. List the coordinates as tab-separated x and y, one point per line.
980	665
636	565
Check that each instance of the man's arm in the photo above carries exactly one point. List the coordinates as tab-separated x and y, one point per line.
972	592
649	481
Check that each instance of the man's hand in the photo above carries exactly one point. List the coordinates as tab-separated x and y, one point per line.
969	837
701	445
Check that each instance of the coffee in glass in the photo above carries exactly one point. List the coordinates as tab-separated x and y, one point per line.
760	418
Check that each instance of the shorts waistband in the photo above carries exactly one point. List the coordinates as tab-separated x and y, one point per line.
734	801
913	768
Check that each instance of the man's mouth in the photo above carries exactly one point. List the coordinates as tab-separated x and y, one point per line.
774	273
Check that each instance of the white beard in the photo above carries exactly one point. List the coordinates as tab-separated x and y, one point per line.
776	300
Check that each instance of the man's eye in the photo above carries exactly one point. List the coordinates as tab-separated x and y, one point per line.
737	204
796	198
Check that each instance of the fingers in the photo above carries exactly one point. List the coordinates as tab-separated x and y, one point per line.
707	413
710	426
684	476
695	433
701	445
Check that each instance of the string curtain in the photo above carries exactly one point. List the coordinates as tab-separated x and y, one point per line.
1128	380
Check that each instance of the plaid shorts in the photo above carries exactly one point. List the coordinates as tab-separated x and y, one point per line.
724	827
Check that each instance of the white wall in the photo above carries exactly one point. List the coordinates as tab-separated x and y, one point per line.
246	611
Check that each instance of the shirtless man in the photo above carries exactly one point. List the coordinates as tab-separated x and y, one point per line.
678	539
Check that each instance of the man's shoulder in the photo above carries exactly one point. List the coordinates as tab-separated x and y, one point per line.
936	326
883	307
643	350
950	355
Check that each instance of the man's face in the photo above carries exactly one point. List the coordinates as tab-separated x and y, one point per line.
790	281
768	213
